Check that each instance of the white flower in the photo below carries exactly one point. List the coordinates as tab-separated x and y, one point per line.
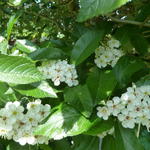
114	106
113	43
17	125
103	112
108	54
60	71
27	138
132	108
34	106
4	128
15	110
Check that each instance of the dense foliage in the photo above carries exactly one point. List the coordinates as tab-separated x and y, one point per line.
74	74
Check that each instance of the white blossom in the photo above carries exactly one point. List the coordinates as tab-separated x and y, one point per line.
108	54
60	71
133	107
19	125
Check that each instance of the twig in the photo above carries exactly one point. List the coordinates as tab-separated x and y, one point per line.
141	24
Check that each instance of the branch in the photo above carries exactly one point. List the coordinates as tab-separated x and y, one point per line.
142	24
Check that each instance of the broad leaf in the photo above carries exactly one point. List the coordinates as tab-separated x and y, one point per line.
92	8
26	46
45	147
3	45
99	126
86	45
13	19
14	145
18	70
63	144
126	139
37	90
144	139
47	53
15	2
101	84
66	121
4	95
125	68
80	98
108	143
83	142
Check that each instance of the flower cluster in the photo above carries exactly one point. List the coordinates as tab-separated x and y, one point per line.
108	54
133	107
17	125
60	71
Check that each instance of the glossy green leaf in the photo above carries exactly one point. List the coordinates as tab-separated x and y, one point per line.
86	45
80	98
13	19
63	144
18	70
45	147
4	95
66	121
26	46
14	145
99	126
109	143
125	68
3	45
37	90
101	84
92	8
83	142
47	53
144	139
15	2
126	139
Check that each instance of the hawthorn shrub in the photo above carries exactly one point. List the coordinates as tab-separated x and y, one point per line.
74	74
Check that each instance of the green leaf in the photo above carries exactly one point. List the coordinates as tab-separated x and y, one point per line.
144	81
86	45
126	35
15	2
108	143
18	70
101	84
14	145
126	139
4	97
47	53
144	139
80	98
63	144
26	46
3	45
92	8
125	68
66	121
13	19
45	147
99	126
37	90
84	142
141	44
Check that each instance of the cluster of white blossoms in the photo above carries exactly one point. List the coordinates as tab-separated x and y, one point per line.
108	54
17	125
60	71
133	107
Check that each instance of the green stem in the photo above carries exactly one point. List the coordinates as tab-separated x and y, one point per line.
141	24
